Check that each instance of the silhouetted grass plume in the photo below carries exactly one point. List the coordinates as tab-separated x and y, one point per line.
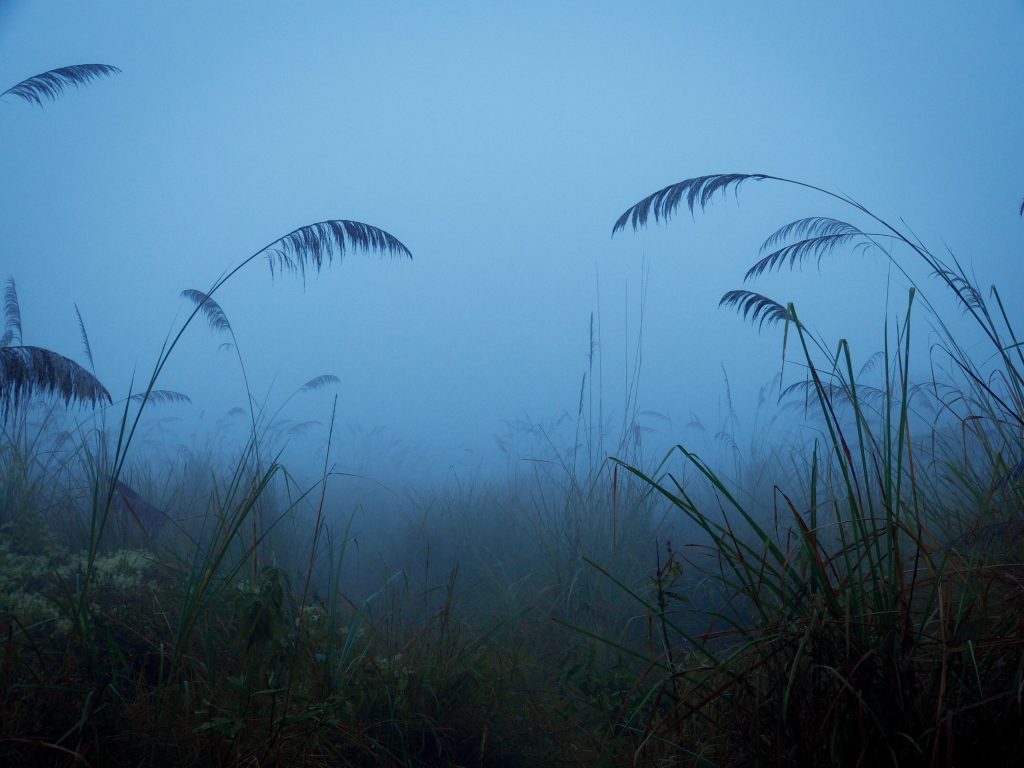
48	86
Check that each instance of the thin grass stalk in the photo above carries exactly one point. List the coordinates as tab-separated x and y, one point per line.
1017	374
864	434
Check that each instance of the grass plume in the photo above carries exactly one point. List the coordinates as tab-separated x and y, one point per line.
849	632
48	86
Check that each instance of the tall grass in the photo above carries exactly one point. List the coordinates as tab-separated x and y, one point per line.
869	621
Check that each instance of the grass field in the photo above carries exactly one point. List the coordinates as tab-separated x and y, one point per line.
853	598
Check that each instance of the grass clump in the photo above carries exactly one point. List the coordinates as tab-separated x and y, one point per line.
868	620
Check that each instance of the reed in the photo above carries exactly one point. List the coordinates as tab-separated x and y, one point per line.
858	625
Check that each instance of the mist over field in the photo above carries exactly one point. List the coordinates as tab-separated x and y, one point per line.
330	320
499	145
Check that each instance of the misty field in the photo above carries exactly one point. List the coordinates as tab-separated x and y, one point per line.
847	593
853	600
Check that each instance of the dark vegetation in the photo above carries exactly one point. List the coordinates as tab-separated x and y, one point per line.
855	599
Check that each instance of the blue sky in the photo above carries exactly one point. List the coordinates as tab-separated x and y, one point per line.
499	142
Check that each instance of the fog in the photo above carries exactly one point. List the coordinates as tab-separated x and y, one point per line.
499	143
493	477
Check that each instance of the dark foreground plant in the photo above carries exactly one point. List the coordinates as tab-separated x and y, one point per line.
161	645
862	624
